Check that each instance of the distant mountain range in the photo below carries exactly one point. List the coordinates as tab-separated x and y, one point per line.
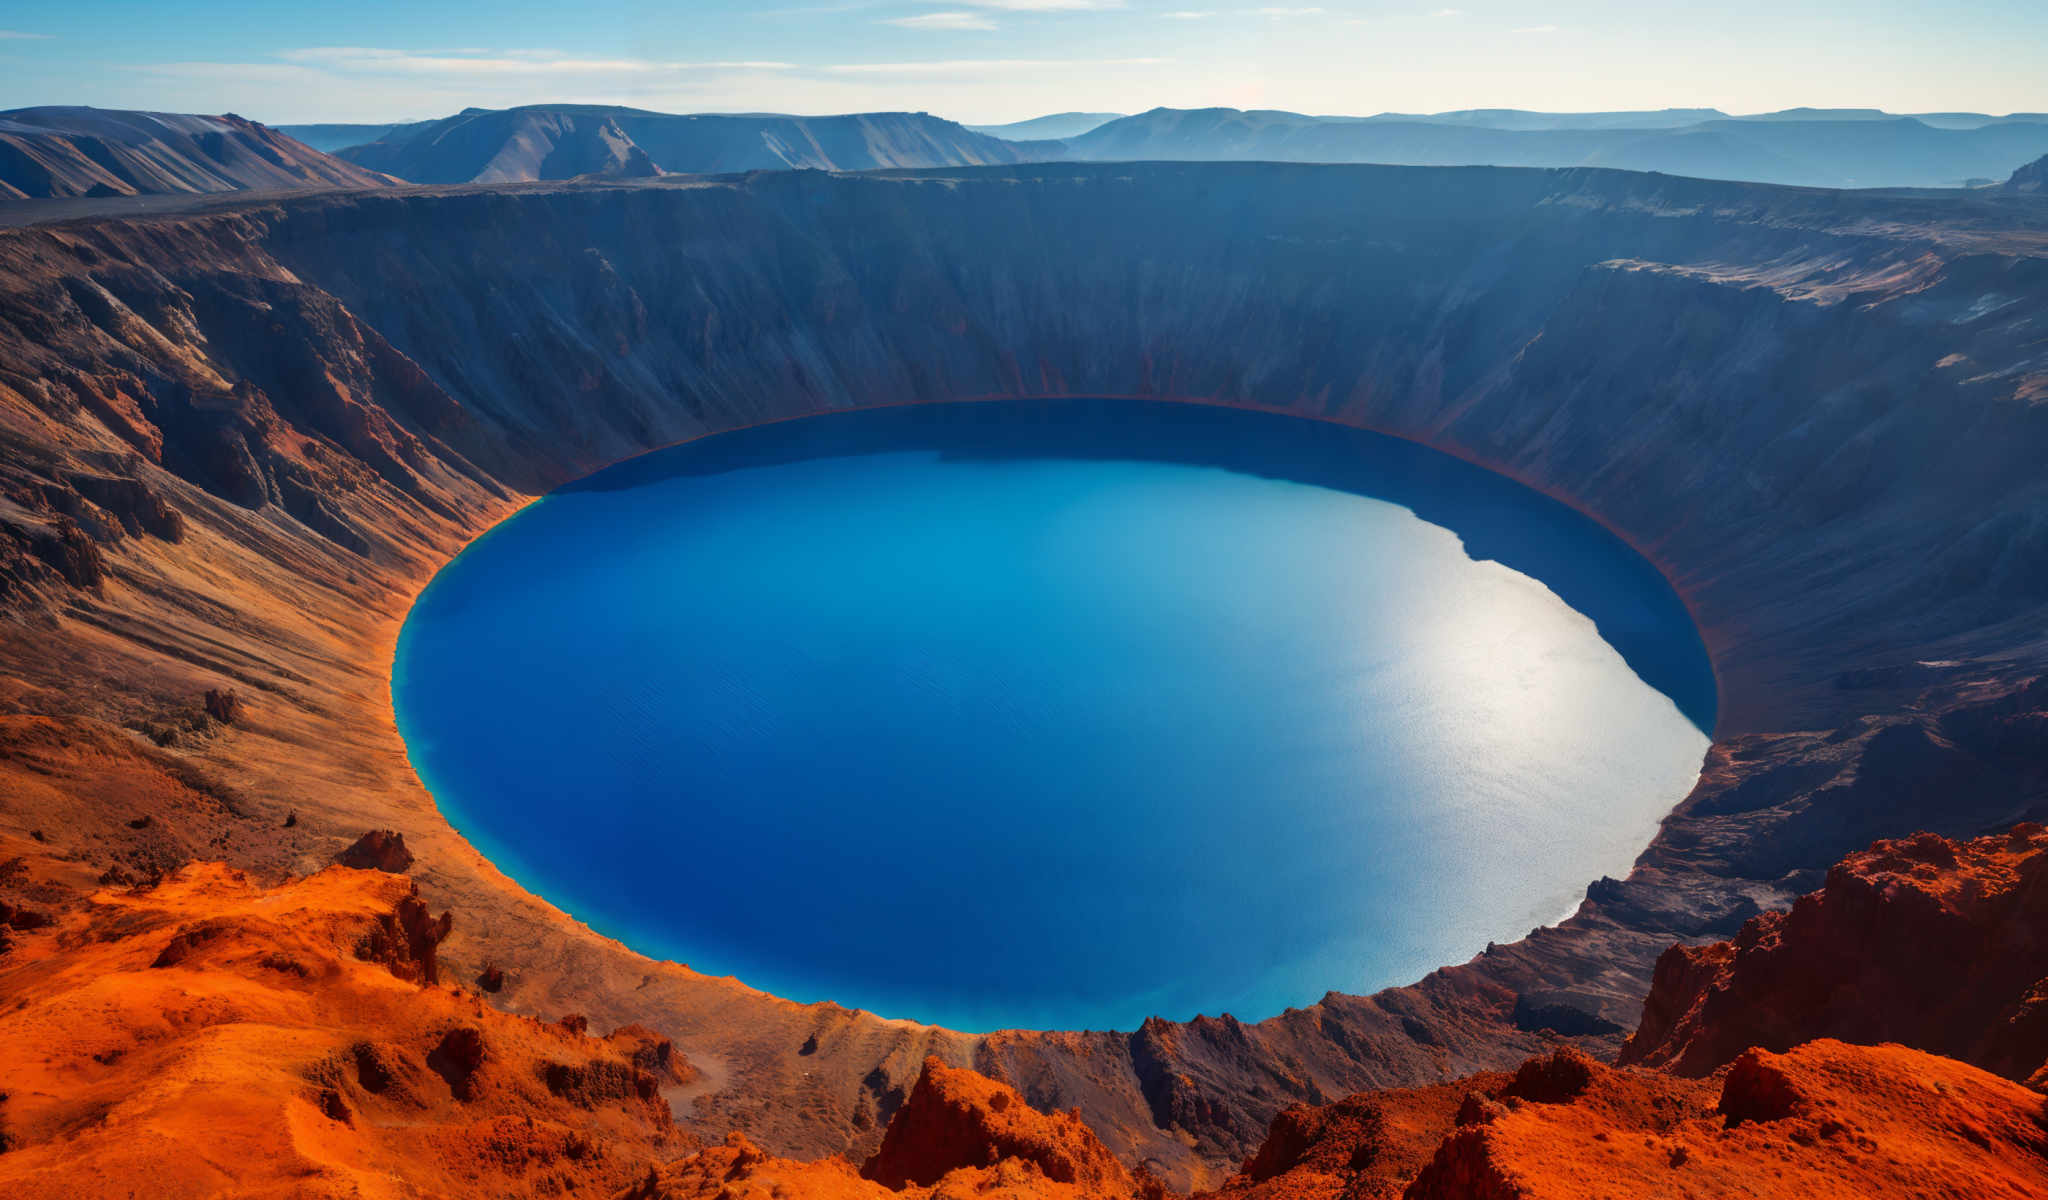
66	152
1055	127
564	141
1816	147
332	137
1517	118
76	151
1821	148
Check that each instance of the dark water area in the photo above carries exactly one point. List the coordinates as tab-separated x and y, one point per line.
1054	714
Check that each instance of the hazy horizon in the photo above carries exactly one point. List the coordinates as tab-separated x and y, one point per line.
996	61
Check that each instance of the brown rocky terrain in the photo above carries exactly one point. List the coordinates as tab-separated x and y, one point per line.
236	440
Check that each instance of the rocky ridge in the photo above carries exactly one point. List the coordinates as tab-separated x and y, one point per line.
564	141
2030	179
77	151
1936	944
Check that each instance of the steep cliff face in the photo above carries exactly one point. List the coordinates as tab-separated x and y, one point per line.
1819	412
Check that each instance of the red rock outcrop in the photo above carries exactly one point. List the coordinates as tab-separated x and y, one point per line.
223	704
956	1118
377	850
1937	944
1364	1147
653	1053
959	1134
1827	1121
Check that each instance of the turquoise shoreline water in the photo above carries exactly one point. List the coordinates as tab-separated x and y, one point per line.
1054	714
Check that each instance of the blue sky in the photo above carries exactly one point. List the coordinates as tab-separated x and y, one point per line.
997	60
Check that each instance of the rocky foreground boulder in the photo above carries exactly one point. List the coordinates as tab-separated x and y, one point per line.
1929	942
959	1134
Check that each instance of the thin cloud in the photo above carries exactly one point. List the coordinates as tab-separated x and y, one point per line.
373	60
961	66
1186	15
1286	12
1448	12
1046	5
943	21
1536	29
811	9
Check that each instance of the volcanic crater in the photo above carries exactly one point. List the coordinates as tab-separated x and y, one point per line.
1001	671
242	435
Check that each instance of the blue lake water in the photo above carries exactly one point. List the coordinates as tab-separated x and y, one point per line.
1054	714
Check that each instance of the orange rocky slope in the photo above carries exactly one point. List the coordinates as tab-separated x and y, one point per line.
209	1036
1828	1121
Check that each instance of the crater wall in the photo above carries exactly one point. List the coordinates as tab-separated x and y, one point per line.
1820	413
